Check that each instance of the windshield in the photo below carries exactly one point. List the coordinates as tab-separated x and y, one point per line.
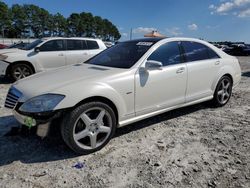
32	45
122	55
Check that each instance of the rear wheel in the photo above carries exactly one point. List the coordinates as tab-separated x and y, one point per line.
223	91
89	127
20	70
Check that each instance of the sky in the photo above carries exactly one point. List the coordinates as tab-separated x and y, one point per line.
212	20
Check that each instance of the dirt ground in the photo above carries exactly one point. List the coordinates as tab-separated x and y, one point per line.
196	146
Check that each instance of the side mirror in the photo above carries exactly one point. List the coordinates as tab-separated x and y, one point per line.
153	65
37	49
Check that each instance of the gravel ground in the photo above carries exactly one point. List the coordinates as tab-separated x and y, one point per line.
196	146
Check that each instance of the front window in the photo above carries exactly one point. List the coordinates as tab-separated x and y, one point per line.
32	45
122	55
53	45
167	54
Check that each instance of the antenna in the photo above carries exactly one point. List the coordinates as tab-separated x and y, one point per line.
131	32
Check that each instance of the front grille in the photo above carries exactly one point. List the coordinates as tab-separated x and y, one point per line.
12	98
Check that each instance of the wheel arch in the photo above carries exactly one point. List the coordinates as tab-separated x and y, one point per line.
230	76
101	99
226	71
19	62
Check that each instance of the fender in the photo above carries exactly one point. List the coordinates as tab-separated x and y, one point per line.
95	90
223	70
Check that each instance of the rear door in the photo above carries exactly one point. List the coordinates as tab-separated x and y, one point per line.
51	54
203	65
77	51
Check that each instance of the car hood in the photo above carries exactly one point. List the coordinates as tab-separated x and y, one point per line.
11	50
50	81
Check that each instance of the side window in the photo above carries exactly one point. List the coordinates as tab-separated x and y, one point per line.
53	45
74	44
84	45
168	54
92	44
195	51
212	54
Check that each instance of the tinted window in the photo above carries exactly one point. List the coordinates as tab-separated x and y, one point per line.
92	44
168	54
195	51
33	44
122	55
53	45
74	44
212	54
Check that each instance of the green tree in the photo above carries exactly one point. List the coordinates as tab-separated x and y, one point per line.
27	20
5	21
87	22
98	27
75	25
43	21
19	20
31	12
60	24
107	30
115	33
38	20
51	25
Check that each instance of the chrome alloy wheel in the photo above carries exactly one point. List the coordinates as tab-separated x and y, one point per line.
224	91
92	128
21	72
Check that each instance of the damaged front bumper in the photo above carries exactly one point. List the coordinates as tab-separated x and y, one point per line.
41	121
3	67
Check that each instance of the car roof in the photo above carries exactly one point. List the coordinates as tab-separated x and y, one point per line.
76	38
157	39
147	39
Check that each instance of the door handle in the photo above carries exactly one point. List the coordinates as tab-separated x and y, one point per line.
180	70
60	54
217	62
85	53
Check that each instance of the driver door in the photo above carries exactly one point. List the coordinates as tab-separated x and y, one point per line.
164	87
51	54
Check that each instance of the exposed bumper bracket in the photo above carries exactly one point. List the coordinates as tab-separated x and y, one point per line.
3	68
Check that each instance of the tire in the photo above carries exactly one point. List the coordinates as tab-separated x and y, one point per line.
89	127
223	91
20	70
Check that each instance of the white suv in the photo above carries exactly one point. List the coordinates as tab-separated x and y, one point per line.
129	82
47	53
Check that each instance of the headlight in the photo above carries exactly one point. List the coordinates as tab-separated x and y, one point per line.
3	57
42	103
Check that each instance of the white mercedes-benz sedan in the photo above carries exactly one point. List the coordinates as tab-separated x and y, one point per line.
126	83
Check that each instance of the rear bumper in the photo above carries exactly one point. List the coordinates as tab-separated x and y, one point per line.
236	79
3	68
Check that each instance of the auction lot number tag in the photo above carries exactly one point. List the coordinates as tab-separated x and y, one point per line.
144	43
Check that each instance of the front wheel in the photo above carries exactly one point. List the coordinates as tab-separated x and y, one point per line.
223	91
89	127
20	70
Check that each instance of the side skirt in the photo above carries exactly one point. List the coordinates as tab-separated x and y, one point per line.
151	114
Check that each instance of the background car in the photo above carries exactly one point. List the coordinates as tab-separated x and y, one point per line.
19	45
129	82
2	46
47	53
238	50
